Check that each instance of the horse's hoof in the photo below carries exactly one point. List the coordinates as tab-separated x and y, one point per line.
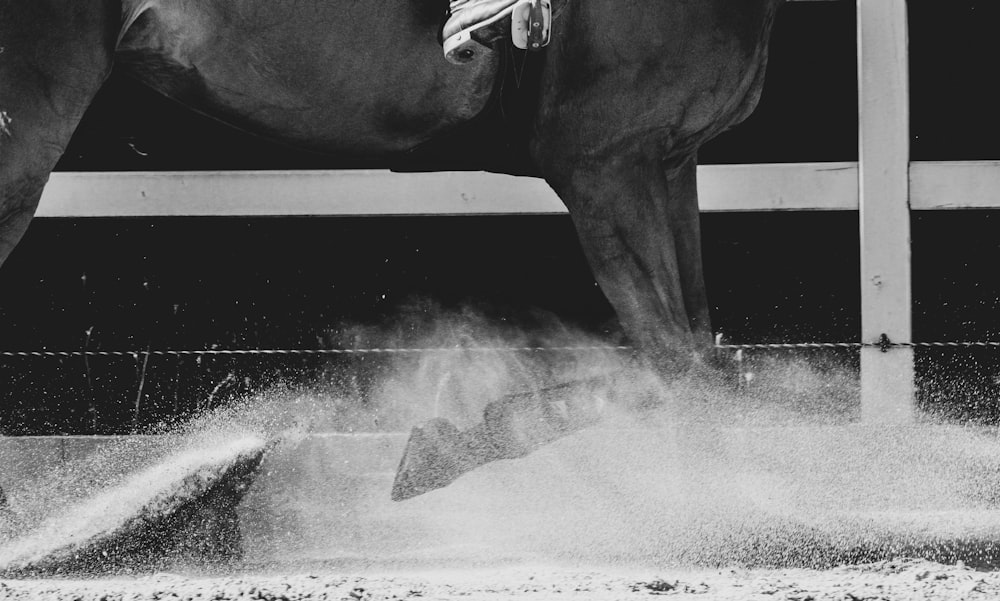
431	460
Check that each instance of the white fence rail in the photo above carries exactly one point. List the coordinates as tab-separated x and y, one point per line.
357	193
765	187
883	187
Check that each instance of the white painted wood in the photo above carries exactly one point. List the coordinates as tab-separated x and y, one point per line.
954	185
887	393
806	186
778	187
270	193
934	185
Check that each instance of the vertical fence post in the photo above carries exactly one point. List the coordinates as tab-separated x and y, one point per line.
887	387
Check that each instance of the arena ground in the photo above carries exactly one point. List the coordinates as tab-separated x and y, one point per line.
903	579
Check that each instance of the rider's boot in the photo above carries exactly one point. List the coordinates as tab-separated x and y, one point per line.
473	25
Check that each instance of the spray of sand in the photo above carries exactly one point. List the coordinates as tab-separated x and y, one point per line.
683	470
114	526
138	501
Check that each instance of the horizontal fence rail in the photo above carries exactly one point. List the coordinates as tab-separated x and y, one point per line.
763	187
798	186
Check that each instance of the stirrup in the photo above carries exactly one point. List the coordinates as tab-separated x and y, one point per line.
531	29
531	24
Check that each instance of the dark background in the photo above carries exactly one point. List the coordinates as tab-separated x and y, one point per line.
296	282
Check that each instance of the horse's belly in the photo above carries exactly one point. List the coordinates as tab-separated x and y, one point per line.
339	77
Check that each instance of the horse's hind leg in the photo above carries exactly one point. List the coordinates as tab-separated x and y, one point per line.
638	223
54	56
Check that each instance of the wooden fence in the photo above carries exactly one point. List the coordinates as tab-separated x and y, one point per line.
883	186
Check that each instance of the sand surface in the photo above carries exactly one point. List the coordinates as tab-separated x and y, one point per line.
613	512
902	579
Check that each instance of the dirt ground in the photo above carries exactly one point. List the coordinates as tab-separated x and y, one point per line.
902	579
600	515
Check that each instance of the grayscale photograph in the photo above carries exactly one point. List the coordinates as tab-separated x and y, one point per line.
499	299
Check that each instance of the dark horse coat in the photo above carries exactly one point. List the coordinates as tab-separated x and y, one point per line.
628	91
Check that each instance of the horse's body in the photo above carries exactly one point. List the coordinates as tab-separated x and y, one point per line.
627	93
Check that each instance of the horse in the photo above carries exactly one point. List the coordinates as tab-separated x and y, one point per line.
626	94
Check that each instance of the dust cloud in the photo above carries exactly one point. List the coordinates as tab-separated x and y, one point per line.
693	469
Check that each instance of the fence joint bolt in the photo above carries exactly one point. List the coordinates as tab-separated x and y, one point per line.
884	344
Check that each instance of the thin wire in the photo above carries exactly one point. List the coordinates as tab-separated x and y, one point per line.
985	343
798	345
819	345
338	351
136	354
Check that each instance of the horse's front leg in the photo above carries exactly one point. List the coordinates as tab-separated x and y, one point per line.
637	220
54	56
